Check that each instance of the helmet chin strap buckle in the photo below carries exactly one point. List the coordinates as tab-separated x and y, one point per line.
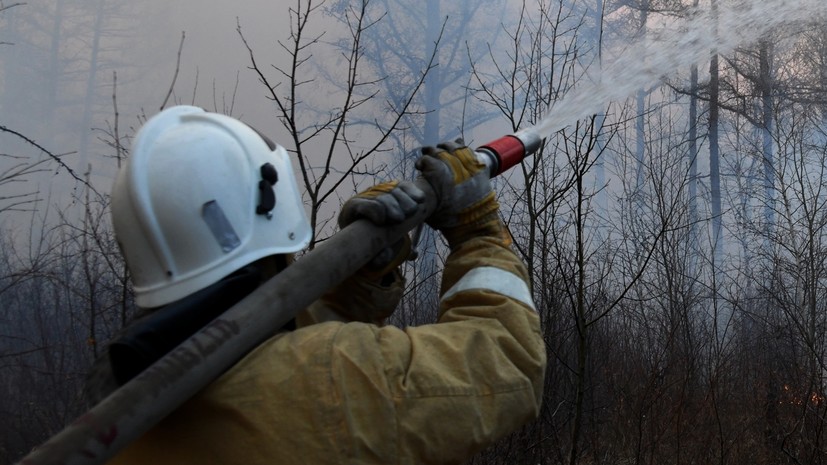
269	177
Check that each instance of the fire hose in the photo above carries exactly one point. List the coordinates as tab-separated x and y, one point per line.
134	408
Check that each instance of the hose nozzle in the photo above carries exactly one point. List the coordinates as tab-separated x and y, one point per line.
504	153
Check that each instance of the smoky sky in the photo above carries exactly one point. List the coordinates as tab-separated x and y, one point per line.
46	53
46	91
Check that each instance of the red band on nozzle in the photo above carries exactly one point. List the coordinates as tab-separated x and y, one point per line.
510	150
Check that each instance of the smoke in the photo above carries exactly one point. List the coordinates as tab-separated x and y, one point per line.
676	47
67	66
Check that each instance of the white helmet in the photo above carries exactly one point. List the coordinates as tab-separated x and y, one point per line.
202	196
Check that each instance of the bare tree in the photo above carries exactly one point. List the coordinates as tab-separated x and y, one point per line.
329	152
60	296
399	45
582	276
792	279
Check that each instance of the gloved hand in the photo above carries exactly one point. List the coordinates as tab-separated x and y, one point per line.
385	204
372	293
467	207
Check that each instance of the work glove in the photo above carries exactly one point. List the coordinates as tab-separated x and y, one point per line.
466	207
372	293
385	204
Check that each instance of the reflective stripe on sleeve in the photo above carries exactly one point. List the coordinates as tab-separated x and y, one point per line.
493	279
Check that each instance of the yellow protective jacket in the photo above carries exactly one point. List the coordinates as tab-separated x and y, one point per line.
358	393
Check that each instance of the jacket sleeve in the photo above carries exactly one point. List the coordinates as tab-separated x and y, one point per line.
443	391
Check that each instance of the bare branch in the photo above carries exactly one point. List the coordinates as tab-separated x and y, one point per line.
54	157
177	67
6	7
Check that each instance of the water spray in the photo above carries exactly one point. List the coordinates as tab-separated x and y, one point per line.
675	46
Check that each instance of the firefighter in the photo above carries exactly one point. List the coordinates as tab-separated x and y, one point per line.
207	209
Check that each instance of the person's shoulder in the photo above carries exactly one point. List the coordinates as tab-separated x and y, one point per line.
294	346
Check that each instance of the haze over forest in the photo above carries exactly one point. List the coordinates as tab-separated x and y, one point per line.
139	41
675	229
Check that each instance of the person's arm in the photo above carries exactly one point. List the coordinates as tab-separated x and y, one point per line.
439	393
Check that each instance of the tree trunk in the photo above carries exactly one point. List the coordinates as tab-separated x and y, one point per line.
91	85
426	263
582	328
693	165
54	71
640	121
433	82
12	72
714	150
600	147
766	80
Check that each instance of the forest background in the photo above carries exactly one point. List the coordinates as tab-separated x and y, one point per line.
675	235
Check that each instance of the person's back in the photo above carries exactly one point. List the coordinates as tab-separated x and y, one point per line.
343	388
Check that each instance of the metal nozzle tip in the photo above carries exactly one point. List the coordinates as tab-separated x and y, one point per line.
530	139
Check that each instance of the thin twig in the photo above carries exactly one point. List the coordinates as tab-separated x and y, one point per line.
118	148
4	8
177	68
235	91
195	87
50	154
